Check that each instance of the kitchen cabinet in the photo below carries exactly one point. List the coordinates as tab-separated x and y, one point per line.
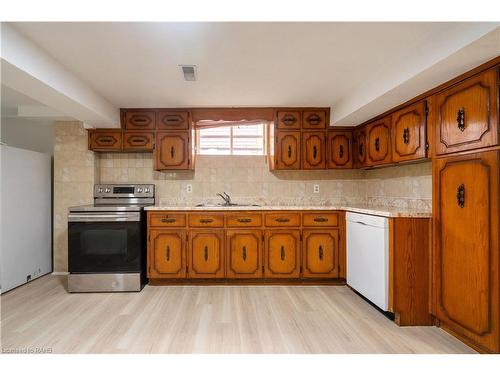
282	253
313	150
172	150
173	120
314	120
206	254
138	119
105	140
465	255
359	148
409	133
379	142
288	150
320	251
339	149
167	253
467	114
138	141
289	120
244	253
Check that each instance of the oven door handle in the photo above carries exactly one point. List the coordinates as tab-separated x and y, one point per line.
100	217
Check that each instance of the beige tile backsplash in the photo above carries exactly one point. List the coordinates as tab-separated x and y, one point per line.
246	178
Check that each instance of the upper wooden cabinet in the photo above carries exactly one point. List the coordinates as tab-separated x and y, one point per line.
467	114
173	120
313	150
172	150
105	140
409	133
287	150
291	120
206	254
167	254
379	142
466	247
138	141
359	147
339	149
314	120
138	119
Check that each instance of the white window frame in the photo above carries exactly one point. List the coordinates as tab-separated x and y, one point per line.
231	137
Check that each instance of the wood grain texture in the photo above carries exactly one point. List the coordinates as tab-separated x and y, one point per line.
105	140
138	141
244	253
379	142
339	149
408	133
320	253
138	119
282	250
166	253
313	150
206	255
172	150
218	319
288	150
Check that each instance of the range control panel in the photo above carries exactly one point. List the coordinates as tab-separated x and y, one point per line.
124	190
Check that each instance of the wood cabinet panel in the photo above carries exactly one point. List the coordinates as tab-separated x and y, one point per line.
138	141
139	119
105	140
282	253
172	150
167	254
173	120
241	219
282	219
320	252
379	142
320	219
206	220
244	253
466	247
359	147
339	149
289	120
467	114
167	220
206	254
314	120
408	133
313	150
287	150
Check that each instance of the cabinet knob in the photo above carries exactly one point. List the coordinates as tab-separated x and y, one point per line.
377	144
172	151
461	119
282	253
315	152
244	252
167	254
289	151
461	196
406	136
341	151
320	252
205	250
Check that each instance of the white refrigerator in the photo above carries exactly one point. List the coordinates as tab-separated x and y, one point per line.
25	216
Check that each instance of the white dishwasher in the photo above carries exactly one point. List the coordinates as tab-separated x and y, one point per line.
368	257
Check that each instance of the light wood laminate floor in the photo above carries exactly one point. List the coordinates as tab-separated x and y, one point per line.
208	319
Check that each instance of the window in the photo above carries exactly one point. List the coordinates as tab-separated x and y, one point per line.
231	140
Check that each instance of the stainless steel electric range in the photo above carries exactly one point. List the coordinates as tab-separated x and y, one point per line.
107	240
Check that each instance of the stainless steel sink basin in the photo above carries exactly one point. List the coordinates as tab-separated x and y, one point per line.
226	205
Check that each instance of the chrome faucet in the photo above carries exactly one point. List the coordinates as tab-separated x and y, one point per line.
226	197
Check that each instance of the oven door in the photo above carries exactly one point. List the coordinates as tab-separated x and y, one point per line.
101	242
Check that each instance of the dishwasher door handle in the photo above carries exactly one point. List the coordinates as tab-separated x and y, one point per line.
360	222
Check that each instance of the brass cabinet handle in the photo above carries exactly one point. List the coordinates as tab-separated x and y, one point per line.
139	120
206	221
461	119
315	152
360	149
289	151
244	252
320	219
205	250
172	120
406	136
168	254
282	253
168	220
320	252
377	144
341	151
282	220
289	120
172	151
461	196
244	220
140	140
105	140
313	119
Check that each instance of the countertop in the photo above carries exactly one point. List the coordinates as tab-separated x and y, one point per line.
371	210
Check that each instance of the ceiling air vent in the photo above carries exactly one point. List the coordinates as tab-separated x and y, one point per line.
189	72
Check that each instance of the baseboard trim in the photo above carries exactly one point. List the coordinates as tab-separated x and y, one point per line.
60	273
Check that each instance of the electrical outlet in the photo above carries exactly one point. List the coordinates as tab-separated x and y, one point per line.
189	188
316	189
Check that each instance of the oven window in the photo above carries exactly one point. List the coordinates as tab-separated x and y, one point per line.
104	242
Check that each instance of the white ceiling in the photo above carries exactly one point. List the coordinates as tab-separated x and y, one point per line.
243	64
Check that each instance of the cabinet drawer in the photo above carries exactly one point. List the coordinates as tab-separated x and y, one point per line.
105	140
243	220
320	219
138	141
139	120
173	120
210	220
167	220
314	120
283	219
289	120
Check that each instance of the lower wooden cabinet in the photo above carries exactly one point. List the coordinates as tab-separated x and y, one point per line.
167	254
282	253
320	253
206	254
244	254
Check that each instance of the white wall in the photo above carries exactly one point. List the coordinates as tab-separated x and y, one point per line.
29	135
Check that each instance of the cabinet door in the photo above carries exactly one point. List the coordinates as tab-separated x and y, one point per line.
339	149
105	140
173	120
138	141
467	114
289	120
167	254
314	120
466	248
287	150
379	142
282	254
244	254
408	133
172	150
313	150
320	251
139	120
359	146
206	254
